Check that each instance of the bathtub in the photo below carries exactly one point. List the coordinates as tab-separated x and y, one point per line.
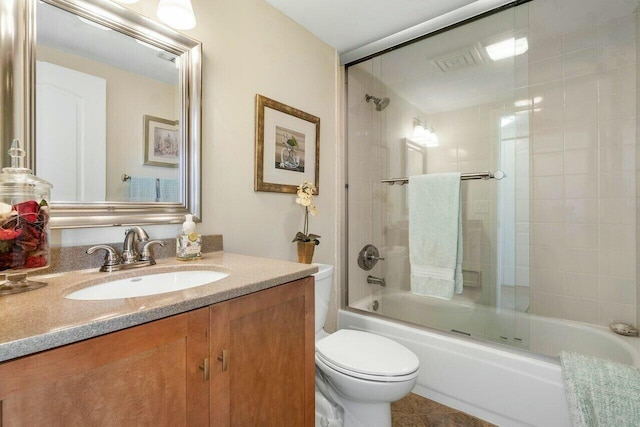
505	385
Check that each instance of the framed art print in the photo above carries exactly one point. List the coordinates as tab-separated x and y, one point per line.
287	147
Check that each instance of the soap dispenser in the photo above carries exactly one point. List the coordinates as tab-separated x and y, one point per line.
188	243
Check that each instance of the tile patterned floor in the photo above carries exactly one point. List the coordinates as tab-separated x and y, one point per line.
417	411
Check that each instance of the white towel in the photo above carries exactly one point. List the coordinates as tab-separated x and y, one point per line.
169	190
435	235
142	189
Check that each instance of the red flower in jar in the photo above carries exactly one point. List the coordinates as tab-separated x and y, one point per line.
35	261
28	210
9	233
23	237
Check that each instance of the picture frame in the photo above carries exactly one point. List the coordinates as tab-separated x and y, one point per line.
287	147
161	142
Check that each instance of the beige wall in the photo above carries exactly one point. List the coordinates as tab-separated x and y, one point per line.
249	48
129	97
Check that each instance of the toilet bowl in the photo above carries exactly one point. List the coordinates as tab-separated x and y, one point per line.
358	374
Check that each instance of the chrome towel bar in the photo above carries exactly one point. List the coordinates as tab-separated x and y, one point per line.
464	176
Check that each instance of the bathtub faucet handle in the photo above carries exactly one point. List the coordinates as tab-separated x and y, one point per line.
368	257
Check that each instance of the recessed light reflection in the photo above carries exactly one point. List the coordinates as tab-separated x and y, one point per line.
527	102
507	120
507	48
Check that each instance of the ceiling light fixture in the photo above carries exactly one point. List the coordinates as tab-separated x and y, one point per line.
424	135
507	48
177	14
127	1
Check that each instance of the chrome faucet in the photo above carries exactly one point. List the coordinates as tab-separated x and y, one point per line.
130	257
376	281
129	253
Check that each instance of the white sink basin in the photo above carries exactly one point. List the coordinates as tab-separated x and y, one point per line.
151	284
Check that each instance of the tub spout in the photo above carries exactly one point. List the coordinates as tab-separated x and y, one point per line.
376	280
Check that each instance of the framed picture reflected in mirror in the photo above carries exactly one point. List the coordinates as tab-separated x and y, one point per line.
161	142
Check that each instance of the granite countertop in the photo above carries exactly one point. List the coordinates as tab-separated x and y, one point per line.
43	319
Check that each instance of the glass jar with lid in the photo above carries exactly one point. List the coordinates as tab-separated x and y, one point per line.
24	223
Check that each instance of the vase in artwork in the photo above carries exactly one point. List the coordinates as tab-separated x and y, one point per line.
289	159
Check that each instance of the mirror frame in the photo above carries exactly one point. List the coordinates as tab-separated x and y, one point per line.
189	51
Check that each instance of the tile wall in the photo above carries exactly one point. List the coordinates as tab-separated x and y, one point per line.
583	164
576	180
367	160
465	145
377	212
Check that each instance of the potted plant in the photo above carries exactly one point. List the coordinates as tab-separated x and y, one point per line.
306	242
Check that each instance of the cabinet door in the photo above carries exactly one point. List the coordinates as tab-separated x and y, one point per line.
145	375
267	375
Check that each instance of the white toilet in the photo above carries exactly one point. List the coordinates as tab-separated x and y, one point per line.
358	374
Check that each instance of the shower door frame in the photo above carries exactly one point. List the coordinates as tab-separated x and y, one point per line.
344	300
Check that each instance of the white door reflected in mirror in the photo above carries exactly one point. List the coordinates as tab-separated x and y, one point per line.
85	143
71	130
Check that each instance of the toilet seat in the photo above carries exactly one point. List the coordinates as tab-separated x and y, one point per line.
367	356
320	362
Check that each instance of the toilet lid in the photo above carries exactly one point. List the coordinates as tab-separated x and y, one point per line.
367	353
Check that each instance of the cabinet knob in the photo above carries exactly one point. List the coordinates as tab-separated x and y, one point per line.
223	359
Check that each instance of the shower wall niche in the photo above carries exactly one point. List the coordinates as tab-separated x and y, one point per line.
544	91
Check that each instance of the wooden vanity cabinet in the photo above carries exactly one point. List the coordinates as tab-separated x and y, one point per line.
144	375
167	372
262	358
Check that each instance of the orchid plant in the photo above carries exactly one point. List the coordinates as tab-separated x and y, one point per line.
305	198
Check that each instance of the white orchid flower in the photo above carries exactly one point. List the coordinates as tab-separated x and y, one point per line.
304	197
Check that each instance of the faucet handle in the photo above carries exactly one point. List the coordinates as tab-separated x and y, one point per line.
145	255
111	256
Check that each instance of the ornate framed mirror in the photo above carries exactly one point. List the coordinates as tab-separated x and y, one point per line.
114	118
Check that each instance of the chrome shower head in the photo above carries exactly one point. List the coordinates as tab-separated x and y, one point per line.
381	104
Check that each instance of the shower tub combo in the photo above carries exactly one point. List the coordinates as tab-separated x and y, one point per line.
503	385
557	236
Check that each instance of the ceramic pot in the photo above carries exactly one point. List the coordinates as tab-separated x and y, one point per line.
305	251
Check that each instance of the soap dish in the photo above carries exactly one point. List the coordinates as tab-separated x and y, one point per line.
624	329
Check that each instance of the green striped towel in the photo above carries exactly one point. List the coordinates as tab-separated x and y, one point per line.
601	393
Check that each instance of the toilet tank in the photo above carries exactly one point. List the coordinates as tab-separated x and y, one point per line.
324	282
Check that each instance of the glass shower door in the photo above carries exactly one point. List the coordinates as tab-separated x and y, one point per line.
445	105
